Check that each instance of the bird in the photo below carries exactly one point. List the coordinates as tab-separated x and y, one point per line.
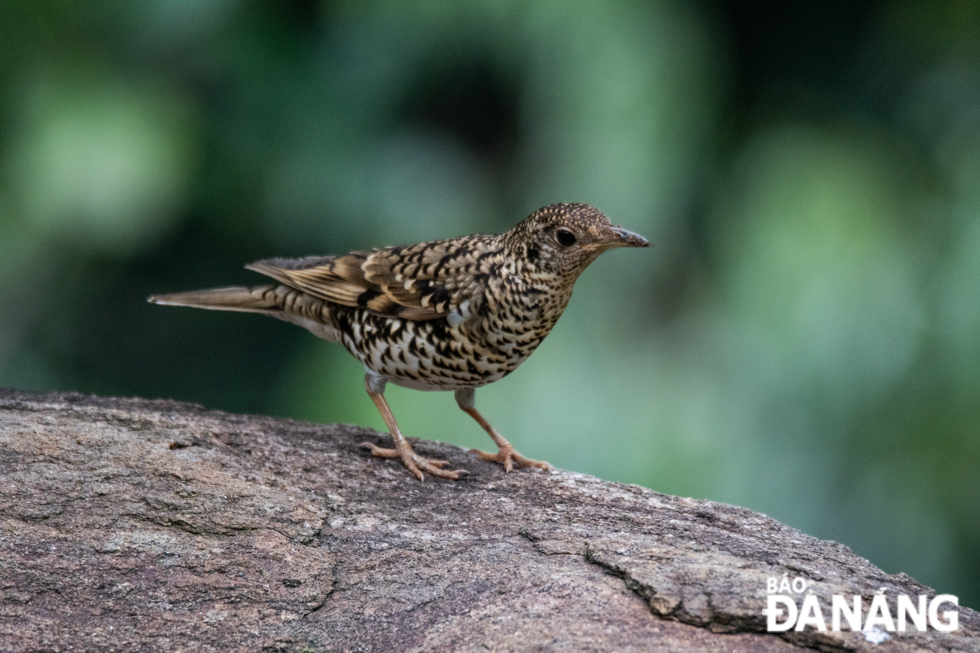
451	315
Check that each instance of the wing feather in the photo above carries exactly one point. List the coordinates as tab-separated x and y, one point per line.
418	282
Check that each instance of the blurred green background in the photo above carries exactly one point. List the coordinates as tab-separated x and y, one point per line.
803	338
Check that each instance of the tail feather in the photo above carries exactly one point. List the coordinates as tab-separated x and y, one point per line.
234	298
281	301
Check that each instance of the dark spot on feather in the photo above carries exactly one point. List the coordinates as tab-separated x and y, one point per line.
438	331
437	268
440	363
533	253
343	321
439	296
366	296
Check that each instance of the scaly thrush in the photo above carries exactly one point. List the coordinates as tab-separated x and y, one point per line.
451	314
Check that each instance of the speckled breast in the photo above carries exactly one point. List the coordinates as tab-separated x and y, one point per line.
430	354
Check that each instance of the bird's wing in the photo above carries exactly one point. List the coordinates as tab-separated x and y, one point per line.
417	282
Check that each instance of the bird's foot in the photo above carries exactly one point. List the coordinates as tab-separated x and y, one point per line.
508	457
416	463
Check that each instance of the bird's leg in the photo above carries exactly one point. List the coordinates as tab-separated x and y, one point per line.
375	385
506	454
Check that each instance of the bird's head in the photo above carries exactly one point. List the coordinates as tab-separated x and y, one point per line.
564	239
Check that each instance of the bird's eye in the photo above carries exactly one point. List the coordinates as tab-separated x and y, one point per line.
565	238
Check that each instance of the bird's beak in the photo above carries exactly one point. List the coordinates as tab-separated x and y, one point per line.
618	237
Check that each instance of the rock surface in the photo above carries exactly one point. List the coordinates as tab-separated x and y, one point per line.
128	524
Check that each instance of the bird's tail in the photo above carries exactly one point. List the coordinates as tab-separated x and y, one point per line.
281	301
259	299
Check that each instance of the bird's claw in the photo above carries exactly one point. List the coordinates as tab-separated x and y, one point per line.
508	457
416	463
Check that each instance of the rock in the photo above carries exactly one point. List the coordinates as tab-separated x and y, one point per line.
130	524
